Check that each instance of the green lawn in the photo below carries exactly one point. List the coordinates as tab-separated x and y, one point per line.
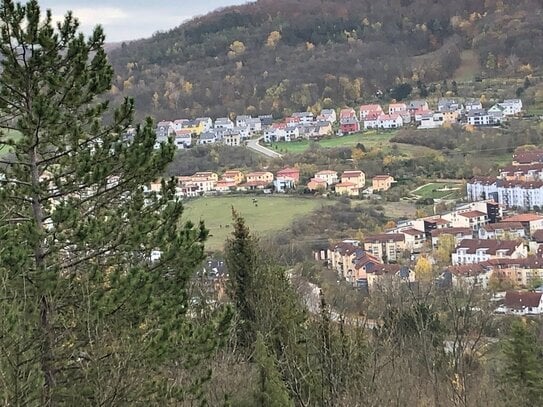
272	214
370	139
440	191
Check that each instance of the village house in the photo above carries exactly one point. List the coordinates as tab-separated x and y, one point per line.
418	115
414	239
386	246
472	104
382	182
293	121
208	137
283	184
293	173
476	251
182	139
390	121
356	177
349	125
389	275
396	108
193	126
530	221
417	106
276	132
364	264
164	130
370	110
502	230
304	117
431	120
241	120
206	123
526	173
511	107
468	276
444	105
224	123
341	258
317	184
522	303
527	157
520	272
473	219
347	188
205	175
347	113
232	139
254	125
234	176
459	234
497	114
260	176
450	116
478	118
371	121
327	115
329	176
225	186
266	120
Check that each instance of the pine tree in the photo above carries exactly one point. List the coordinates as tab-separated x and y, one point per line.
271	390
241	255
523	360
86	316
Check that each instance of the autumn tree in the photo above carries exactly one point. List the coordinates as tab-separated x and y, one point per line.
94	302
423	269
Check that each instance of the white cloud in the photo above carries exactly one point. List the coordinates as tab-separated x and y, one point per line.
99	15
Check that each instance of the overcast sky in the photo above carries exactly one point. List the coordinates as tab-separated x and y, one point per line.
132	19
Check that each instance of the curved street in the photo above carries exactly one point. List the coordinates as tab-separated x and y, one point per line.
254	145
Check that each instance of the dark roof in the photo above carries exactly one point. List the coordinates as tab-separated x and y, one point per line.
483	180
491	227
538	236
385	237
467	270
345	248
522	299
452	231
492	245
472	214
523	217
518	183
412	232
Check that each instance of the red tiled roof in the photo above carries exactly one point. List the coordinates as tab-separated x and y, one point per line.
345	248
519	183
491	227
352	173
523	217
483	180
522	299
472	214
382	177
345	185
326	172
412	232
467	270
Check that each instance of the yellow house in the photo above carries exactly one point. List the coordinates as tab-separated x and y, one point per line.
347	188
450	116
328	176
233	176
194	126
260	176
382	182
207	175
356	177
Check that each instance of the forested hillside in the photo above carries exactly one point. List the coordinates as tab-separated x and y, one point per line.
280	55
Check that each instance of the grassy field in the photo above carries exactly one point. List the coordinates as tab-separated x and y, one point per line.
469	67
440	191
271	215
370	139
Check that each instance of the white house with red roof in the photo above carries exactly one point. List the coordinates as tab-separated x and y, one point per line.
397	108
370	110
390	121
522	303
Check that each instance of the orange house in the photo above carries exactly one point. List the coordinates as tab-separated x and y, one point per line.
233	176
260	176
382	182
358	178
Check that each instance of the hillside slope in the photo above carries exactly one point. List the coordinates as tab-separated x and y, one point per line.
280	55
